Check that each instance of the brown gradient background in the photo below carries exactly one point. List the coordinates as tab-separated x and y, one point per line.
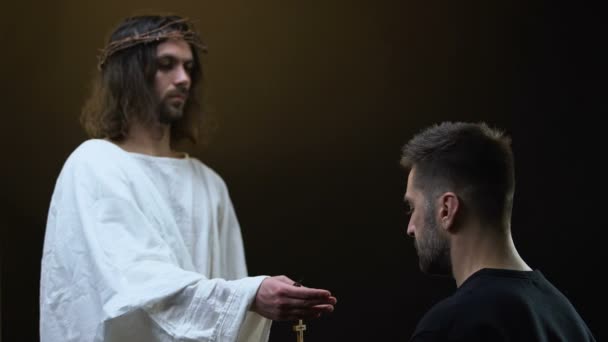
313	101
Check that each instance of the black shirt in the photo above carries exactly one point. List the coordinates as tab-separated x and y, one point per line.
503	305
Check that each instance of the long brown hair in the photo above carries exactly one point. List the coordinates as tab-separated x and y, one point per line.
123	90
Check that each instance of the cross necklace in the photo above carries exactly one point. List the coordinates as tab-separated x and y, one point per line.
300	327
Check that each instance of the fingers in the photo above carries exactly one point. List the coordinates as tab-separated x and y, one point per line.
302	292
307	293
290	308
323	308
278	299
305	313
301	304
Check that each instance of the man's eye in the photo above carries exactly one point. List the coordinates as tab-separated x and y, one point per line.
165	64
409	209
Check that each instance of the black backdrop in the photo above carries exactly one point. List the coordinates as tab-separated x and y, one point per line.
312	102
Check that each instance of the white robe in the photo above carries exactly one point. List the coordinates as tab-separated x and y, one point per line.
142	248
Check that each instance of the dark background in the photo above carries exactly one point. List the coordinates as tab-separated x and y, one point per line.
313	101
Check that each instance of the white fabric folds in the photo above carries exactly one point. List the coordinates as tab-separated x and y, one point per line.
142	248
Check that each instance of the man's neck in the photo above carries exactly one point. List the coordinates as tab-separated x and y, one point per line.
151	140
474	249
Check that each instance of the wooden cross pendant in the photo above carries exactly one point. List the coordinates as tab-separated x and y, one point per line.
299	329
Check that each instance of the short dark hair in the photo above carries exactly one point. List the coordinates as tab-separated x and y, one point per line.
123	91
470	159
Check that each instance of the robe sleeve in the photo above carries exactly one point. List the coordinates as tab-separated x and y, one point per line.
139	273
126	282
255	327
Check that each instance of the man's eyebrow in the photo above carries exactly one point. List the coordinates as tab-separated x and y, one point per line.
174	57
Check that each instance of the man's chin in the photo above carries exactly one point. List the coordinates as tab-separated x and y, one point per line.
435	270
170	116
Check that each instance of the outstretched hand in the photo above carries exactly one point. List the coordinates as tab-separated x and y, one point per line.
278	299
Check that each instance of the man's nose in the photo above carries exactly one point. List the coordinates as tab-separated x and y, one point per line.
411	229
182	78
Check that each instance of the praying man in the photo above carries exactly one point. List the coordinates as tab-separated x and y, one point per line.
142	242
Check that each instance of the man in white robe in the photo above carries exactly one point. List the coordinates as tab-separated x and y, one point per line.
142	242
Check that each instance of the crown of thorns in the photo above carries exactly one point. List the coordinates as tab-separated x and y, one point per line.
155	35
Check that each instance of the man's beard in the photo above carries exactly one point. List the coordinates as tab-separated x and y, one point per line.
433	248
170	109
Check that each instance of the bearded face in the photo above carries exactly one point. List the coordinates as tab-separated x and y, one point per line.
432	246
172	80
171	107
431	242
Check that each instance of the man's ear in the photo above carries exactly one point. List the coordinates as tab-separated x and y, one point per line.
449	204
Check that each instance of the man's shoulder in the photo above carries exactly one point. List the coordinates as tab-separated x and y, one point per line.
95	157
96	147
458	314
444	308
94	151
437	320
497	302
475	301
208	173
94	165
